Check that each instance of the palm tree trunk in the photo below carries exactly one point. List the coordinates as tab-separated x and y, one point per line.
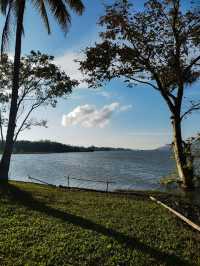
185	174
8	148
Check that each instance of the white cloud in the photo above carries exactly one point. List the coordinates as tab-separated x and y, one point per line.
104	93
89	116
71	68
126	107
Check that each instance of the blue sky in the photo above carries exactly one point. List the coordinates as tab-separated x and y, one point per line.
113	116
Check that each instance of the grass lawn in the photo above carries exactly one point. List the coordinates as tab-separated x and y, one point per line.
40	225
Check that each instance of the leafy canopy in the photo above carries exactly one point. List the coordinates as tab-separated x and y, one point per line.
158	46
41	83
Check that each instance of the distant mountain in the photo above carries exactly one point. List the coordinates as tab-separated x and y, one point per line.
166	147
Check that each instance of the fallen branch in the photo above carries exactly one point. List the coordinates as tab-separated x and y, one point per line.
182	217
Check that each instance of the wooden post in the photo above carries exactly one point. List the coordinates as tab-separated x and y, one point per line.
68	181
107	186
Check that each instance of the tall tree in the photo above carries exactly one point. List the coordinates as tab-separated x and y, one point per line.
158	47
16	9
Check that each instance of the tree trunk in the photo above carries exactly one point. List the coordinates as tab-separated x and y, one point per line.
184	171
8	148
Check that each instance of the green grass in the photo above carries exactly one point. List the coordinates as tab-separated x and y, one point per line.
41	225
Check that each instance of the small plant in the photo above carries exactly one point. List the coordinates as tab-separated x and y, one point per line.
170	179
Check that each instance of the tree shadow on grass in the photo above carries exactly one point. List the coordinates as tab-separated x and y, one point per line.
26	199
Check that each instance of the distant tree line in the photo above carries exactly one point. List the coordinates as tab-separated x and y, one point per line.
46	146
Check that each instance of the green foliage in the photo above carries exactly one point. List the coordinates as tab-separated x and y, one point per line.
170	179
157	46
41	83
40	79
48	226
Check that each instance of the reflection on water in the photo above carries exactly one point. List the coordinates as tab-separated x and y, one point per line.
128	169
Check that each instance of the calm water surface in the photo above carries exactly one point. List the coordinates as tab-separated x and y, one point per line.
128	169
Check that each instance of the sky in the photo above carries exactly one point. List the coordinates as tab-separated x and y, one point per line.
114	115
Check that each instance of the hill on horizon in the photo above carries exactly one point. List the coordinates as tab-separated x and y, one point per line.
47	146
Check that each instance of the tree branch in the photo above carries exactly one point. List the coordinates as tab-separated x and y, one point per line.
172	96
163	92
143	82
24	121
27	90
34	106
1	129
194	107
193	62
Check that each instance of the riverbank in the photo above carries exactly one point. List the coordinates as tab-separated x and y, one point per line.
41	225
47	146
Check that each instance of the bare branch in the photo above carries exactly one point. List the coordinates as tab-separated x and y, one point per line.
194	107
23	122
193	62
143	82
33	107
1	128
27	90
20	112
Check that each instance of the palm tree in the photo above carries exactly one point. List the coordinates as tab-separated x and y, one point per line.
16	9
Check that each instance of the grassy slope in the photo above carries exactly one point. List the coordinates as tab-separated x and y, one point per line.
46	226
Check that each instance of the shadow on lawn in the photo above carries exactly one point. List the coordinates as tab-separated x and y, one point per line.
25	198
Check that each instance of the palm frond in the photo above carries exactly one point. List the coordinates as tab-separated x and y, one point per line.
76	5
58	8
40	6
4	5
60	13
7	29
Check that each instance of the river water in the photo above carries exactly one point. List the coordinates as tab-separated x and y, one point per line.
139	170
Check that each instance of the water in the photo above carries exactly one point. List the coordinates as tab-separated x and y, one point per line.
139	170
